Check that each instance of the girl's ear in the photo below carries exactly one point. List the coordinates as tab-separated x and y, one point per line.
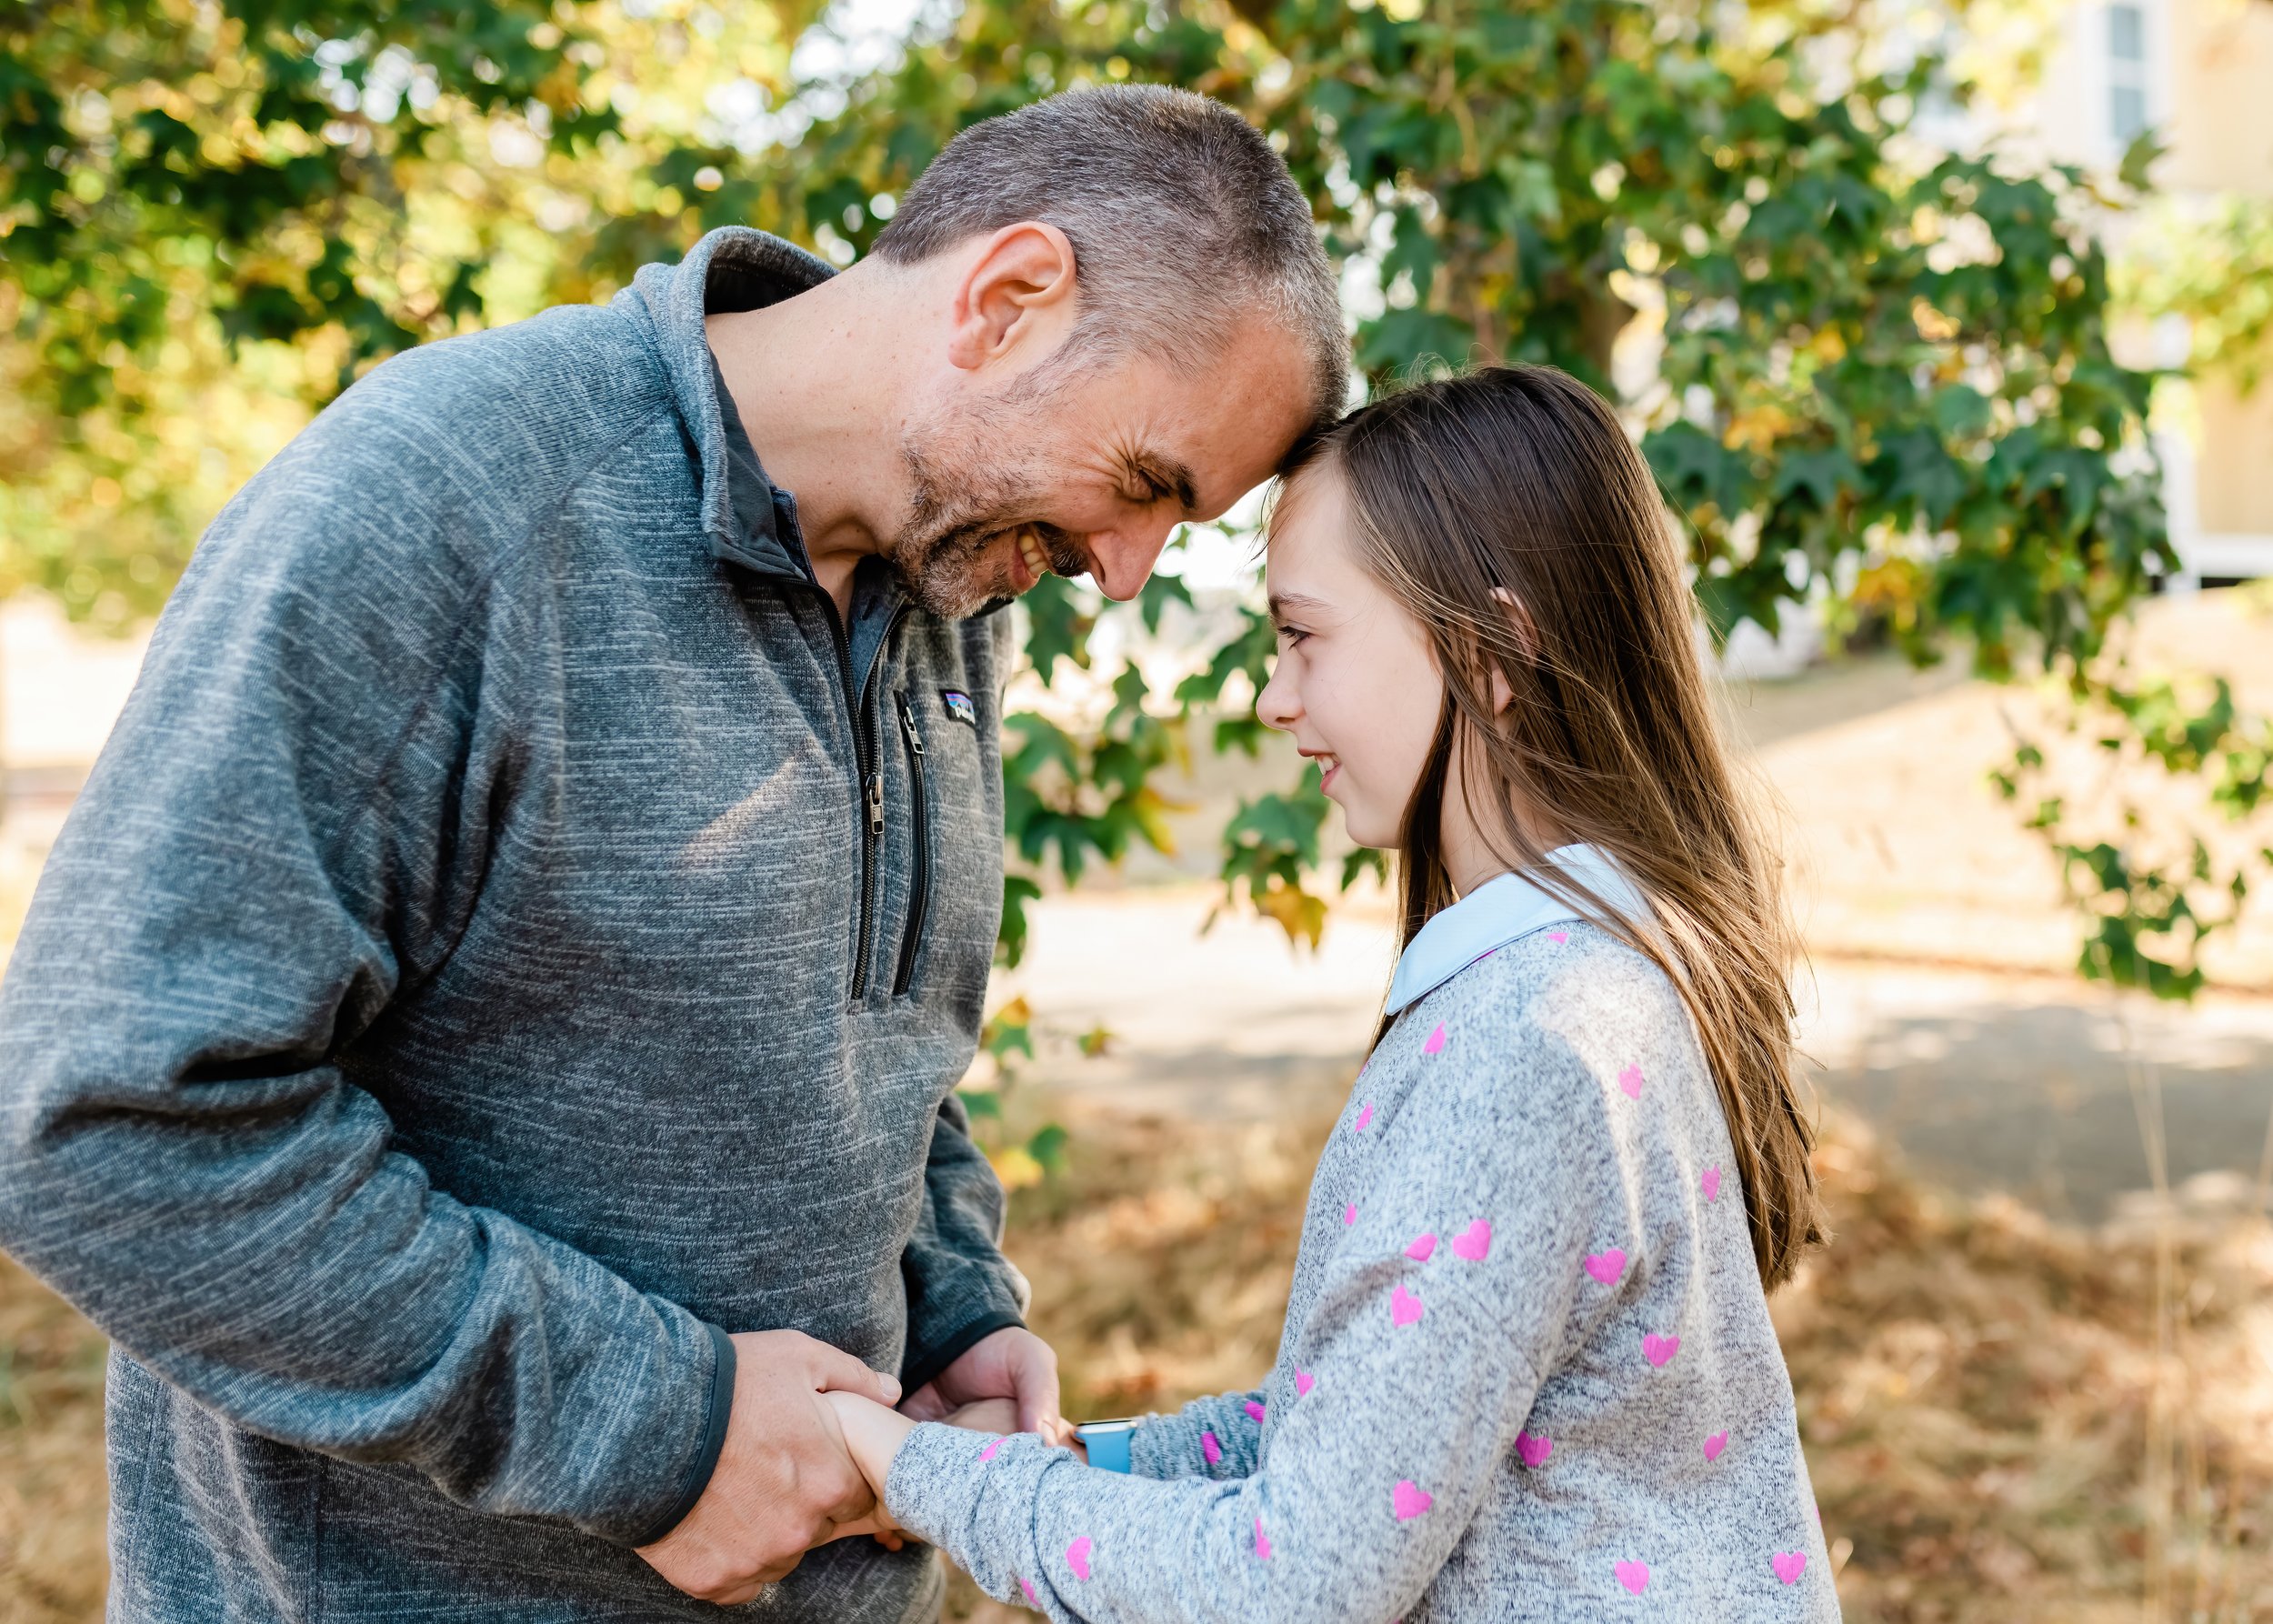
1527	640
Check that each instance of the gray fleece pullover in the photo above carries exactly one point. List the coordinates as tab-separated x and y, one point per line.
516	935
1528	1370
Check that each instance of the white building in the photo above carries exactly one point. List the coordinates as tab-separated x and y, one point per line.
2200	73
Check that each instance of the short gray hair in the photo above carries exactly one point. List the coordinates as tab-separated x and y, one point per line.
1183	223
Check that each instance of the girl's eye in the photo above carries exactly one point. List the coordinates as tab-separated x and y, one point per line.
1291	635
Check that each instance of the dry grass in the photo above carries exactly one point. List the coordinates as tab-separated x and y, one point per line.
1980	1393
52	1492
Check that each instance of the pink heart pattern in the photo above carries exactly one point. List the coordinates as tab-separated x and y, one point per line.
1405	1309
1559	936
1436	1044
1077	1557
1710	1184
1714	1446
1658	1350
1534	1451
1408	1499
1422	1250
1350	1215
1634	1576
1032	1601
1473	1244
1606	1267
1254	1412
1210	1450
1262	1542
1630	1082
1789	1565
1364	1119
988	1452
1304	1382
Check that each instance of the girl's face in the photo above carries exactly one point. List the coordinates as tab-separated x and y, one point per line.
1355	684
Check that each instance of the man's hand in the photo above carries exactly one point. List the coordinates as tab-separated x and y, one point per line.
783	1480
1015	1364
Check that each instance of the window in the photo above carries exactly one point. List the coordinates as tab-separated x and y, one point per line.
2126	71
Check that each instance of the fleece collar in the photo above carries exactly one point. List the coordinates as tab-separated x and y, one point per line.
1504	910
732	268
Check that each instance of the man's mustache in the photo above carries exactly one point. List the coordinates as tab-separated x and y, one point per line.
1066	558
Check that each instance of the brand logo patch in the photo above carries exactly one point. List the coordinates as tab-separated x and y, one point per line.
959	705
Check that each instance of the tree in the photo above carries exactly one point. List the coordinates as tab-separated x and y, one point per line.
1874	379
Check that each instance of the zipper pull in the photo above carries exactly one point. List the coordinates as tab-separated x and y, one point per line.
907	726
876	803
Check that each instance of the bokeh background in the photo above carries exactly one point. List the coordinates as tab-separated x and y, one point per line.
1948	329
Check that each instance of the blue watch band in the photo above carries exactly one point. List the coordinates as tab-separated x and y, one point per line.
1108	1443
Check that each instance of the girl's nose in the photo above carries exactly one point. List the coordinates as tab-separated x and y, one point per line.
1275	705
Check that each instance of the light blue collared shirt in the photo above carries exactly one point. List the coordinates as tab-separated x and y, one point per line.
1503	910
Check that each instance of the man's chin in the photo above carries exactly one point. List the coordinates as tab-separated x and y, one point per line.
957	597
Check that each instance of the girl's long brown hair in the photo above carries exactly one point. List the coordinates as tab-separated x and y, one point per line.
1518	483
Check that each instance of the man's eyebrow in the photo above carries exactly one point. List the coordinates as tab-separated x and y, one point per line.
1176	475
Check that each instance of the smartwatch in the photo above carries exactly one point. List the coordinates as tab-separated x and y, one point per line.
1107	1442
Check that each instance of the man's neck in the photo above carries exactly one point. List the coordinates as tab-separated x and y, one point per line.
812	379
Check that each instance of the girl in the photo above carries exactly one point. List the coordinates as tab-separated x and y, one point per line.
1528	1369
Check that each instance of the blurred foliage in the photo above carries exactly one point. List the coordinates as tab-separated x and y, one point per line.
1020	1159
1868	373
2215	270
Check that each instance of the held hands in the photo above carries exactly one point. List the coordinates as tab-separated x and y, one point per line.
783	1482
809	1443
1006	1382
873	1436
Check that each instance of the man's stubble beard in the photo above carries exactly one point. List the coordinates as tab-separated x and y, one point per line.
941	551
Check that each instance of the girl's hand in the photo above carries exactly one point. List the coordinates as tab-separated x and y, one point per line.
988	1414
1001	1416
873	1434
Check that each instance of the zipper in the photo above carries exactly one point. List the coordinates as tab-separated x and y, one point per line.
867	747
919	890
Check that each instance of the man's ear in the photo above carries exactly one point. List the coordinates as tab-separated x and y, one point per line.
1527	640
1017	291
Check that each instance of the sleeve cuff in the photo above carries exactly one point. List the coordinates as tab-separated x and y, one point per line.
924	1364
705	1461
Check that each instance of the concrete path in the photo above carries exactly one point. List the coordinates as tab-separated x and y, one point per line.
2028	1084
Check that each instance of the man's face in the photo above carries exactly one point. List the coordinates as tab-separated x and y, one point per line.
1089	474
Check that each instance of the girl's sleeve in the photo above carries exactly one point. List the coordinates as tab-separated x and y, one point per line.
1219	1437
1442	1307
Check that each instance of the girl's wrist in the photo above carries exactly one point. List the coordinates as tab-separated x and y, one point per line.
872	1435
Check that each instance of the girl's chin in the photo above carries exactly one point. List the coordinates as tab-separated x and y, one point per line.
1358	826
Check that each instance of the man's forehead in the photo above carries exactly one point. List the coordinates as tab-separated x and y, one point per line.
1209	472
1229	424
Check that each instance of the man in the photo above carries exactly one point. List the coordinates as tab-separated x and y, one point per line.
484	1045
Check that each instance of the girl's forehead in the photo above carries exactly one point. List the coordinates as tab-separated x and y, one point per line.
1306	523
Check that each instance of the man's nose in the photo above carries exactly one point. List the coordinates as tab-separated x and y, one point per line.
1124	555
